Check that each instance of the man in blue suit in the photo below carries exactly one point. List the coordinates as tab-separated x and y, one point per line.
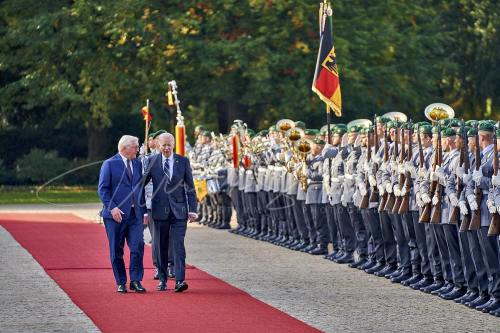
172	205
122	193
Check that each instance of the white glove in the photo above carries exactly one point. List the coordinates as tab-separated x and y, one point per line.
383	166
366	166
403	191
394	166
381	190
453	199
335	180
439	173
466	177
425	198
397	191
495	180
388	188
491	206
408	166
435	200
372	181
463	208
471	198
401	169
420	203
362	189
477	175
460	172
422	172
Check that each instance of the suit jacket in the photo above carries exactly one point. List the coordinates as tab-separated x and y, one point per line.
116	190
178	195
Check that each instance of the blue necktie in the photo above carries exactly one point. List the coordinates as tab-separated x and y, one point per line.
166	169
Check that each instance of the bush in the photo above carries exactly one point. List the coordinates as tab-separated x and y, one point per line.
5	175
40	166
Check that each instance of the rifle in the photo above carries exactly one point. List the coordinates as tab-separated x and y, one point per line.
438	192
405	201
365	201
402	158
466	218
392	197
386	158
425	217
494	228
475	222
374	196
455	212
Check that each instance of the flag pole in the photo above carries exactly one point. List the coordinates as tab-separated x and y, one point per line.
146	131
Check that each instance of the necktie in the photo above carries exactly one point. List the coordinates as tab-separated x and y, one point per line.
129	170
166	169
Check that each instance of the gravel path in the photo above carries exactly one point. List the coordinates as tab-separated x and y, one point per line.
30	301
329	296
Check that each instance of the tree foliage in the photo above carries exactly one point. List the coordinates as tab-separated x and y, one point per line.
95	62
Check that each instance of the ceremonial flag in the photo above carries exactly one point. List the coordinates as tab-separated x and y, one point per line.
145	113
326	83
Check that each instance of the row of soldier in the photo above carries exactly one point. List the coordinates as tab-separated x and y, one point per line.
410	202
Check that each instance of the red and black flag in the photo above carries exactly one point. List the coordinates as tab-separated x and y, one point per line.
145	113
326	83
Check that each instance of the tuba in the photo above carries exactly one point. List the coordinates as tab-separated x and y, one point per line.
439	111
284	125
396	116
294	134
303	147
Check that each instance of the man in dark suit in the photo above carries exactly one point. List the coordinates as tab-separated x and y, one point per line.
122	194
173	204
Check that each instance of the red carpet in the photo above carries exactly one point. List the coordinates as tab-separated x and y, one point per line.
75	254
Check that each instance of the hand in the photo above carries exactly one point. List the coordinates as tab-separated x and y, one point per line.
453	199
394	166
362	189
145	219
440	173
466	177
435	200
425	198
460	172
366	166
477	175
422	173
372	181
434	176
409	166
381	190
495	180
397	191
463	208
192	217
491	207
471	198
420	203
117	214
401	169
388	188
403	191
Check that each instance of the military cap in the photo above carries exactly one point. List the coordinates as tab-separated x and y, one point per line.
250	132
273	129
158	133
425	129
445	122
454	123
206	134
264	132
436	129
341	125
498	133
370	129
392	124
318	141
448	132
486	126
471	123
471	133
340	130
382	119
199	128
311	131
353	129
151	135
300	124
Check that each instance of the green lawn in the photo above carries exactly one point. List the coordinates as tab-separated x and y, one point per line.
54	194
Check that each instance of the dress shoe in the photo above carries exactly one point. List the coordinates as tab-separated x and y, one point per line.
122	288
495	312
455	293
137	287
162	286
337	255
495	305
357	263
448	286
482	299
308	248
180	286
319	250
464	296
400	278
472	296
347	258
438	284
412	279
156	277
368	264
378	267
170	271
301	246
423	283
486	305
388	269
397	272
